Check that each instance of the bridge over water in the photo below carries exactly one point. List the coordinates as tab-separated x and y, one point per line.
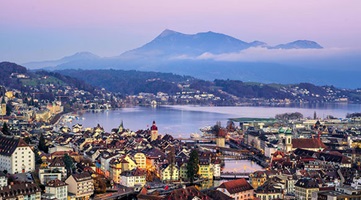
234	175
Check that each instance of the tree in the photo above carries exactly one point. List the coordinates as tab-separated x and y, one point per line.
5	129
193	165
69	163
42	144
9	109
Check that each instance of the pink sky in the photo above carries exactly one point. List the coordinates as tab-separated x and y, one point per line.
43	29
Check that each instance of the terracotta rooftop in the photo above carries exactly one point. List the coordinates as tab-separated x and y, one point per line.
85	176
56	183
236	186
12	191
187	193
307	143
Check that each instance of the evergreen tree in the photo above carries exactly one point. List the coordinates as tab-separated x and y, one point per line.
193	165
42	144
6	129
69	163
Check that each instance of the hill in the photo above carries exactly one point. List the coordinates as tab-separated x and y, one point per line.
43	83
232	91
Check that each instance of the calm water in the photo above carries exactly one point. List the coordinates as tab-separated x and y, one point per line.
180	121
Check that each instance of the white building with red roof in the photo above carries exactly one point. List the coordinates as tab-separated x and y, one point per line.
15	155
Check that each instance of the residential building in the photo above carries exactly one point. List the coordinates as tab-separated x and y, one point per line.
26	191
238	189
80	185
58	188
141	160
216	168
268	191
134	178
169	173
15	155
205	169
305	187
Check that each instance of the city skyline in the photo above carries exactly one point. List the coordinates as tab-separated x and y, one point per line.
42	30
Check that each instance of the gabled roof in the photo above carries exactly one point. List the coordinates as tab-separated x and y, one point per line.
57	162
9	144
236	186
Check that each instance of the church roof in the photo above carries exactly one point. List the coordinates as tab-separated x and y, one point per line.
307	143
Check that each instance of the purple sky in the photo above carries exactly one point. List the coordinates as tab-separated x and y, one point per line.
41	29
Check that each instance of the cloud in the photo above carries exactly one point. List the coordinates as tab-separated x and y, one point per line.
261	54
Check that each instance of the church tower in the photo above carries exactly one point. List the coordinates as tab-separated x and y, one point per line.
288	142
153	132
3	106
121	127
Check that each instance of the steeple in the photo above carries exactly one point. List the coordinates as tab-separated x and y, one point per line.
121	127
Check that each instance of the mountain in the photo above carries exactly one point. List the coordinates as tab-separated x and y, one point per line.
299	44
80	56
210	55
172	43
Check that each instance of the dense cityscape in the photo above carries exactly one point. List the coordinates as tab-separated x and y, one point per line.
300	158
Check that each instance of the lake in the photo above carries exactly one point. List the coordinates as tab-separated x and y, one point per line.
180	121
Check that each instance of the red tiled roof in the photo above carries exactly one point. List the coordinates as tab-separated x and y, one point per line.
307	143
236	186
56	183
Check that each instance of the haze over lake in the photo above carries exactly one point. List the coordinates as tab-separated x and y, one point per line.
180	121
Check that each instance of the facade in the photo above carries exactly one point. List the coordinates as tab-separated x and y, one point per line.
26	191
269	190
58	188
304	188
205	169
183	171
166	173
133	178
15	155
140	159
81	185
257	178
238	189
217	169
